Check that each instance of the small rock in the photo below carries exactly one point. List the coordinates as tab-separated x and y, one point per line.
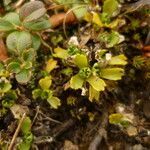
132	131
68	145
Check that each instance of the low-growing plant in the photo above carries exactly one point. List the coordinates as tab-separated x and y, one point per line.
45	93
95	75
22	38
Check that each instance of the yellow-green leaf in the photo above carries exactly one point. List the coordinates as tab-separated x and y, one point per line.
112	73
60	53
110	6
97	83
118	60
93	94
115	118
115	23
96	19
54	102
45	83
81	60
50	65
120	119
76	82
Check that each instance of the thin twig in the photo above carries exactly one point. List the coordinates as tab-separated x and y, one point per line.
37	112
45	44
16	132
50	119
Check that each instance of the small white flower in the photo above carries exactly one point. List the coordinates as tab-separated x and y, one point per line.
121	38
108	56
74	40
120	109
84	90
3	79
148	132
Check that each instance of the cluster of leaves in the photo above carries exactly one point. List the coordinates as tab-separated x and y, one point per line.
21	30
45	93
7	95
94	75
27	135
22	38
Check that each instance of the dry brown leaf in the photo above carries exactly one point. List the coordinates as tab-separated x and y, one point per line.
57	20
19	110
3	51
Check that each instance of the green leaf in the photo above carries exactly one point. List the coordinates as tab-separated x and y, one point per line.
14	67
112	73
45	94
26	126
97	83
81	60
45	83
85	72
1	66
76	82
24	41
36	93
6	26
24	146
29	55
23	76
13	18
93	94
27	135
27	65
54	102
38	25
5	87
110	39
11	95
36	41
66	1
118	60
68	71
29	10
12	41
7	103
79	10
73	50
18	41
61	53
35	15
110	6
